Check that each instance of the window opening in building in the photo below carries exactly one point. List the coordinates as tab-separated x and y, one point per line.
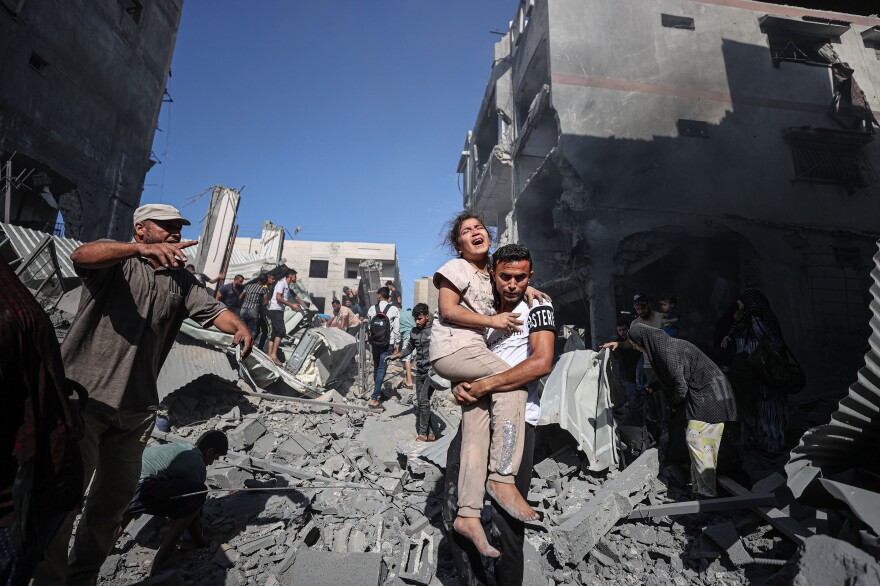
801	49
133	8
831	161
318	303
672	21
351	274
37	63
318	269
698	128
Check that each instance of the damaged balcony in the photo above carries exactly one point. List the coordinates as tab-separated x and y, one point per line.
492	194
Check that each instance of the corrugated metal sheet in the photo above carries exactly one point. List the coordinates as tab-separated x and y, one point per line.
827	460
187	361
25	241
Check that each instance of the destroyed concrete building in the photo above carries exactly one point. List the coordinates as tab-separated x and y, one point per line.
326	267
691	147
83	83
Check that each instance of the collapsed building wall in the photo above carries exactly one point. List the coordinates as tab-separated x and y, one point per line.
682	147
82	88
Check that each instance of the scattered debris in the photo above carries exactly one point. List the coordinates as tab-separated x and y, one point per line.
576	536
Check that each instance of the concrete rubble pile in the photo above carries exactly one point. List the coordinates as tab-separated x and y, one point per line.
349	497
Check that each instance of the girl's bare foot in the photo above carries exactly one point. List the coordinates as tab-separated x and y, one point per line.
471	528
509	499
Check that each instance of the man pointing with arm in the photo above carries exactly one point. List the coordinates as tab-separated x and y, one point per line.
135	297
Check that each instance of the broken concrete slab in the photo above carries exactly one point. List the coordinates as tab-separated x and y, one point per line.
223	475
263	446
324	568
824	560
300	445
247	432
578	534
725	535
547	469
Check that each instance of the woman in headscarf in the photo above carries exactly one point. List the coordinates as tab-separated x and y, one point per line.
753	323
696	385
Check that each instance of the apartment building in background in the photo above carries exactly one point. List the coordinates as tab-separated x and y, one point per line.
324	268
424	291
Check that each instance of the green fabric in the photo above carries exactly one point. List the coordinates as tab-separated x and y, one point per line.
173	461
407	323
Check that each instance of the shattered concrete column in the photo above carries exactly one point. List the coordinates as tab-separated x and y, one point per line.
578	534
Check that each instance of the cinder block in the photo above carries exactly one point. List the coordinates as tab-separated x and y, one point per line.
228	476
547	469
263	446
578	534
418	559
247	432
324	568
254	545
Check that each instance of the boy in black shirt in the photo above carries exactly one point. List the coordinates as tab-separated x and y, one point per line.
420	341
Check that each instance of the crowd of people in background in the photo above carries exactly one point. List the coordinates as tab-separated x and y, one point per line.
709	412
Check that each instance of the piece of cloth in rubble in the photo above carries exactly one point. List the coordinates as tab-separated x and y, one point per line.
40	465
129	315
755	304
703	441
690	376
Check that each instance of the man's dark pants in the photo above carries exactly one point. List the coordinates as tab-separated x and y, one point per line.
251	318
166	498
424	420
508	534
380	353
262	330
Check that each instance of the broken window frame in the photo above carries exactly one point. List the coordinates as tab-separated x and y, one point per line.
823	156
797	49
799	41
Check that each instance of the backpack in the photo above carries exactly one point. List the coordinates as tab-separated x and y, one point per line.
380	327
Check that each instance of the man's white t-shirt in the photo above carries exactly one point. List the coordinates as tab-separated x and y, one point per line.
281	288
514	347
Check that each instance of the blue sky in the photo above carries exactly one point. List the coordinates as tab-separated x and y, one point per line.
343	117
